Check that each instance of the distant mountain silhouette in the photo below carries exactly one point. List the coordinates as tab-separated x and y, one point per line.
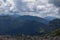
49	18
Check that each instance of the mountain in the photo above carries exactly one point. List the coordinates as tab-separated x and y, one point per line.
49	18
22	24
54	24
28	25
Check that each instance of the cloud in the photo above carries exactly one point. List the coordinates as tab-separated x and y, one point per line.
39	8
55	2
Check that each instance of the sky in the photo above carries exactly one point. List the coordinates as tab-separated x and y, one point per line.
39	8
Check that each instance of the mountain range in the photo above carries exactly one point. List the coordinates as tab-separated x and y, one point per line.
28	25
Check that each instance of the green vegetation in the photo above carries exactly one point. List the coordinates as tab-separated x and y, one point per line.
55	32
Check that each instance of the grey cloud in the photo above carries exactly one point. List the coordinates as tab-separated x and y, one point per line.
24	6
4	0
22	9
21	6
55	2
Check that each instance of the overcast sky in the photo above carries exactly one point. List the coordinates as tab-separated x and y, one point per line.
40	8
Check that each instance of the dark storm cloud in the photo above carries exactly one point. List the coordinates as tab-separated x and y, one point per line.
4	0
55	2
